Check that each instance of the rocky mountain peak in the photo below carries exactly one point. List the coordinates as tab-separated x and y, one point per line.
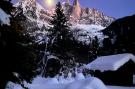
94	16
75	13
76	10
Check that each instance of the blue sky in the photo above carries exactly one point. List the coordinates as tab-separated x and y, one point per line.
114	8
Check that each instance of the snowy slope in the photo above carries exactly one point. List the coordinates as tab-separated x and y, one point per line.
34	11
85	33
4	18
36	18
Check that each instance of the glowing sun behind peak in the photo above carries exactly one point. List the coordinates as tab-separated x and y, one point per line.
49	3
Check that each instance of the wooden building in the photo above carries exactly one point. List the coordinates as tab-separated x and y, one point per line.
114	69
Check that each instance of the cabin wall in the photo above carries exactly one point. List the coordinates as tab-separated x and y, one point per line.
134	79
123	76
114	78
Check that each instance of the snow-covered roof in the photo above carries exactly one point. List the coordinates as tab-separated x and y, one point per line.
111	62
4	18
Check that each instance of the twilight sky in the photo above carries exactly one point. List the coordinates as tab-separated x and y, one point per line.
114	8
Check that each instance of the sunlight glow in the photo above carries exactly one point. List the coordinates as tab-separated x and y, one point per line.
49	3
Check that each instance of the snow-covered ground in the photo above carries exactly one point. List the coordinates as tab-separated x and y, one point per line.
119	87
79	82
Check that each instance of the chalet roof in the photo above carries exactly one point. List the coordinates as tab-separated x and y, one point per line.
111	62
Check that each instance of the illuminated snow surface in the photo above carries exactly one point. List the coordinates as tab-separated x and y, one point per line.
69	83
60	83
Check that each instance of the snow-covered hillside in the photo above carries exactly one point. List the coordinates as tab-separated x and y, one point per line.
85	33
33	18
34	11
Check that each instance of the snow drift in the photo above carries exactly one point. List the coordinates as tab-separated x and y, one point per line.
53	83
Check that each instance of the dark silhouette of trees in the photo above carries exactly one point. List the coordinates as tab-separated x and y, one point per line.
94	49
17	55
121	32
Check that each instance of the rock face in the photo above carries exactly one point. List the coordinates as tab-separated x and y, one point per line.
93	16
87	16
74	12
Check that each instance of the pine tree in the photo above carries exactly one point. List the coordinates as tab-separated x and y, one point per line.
60	30
59	35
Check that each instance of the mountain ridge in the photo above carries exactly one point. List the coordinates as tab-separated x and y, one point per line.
75	13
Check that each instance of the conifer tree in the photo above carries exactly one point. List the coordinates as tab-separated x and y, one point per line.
60	29
59	35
